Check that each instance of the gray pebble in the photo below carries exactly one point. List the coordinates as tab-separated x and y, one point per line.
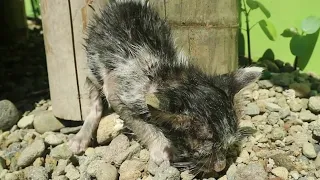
308	150
45	121
127	154
314	104
9	115
61	151
101	170
273	118
273	107
71	172
131	169
254	171
278	134
36	173
307	116
252	109
53	139
26	122
30	153
265	84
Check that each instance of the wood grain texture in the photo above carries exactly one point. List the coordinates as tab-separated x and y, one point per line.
81	12
60	59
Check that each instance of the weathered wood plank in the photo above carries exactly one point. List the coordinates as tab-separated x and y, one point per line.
181	38
214	50
60	59
159	6
82	12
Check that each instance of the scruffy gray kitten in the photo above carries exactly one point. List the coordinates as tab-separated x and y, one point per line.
130	54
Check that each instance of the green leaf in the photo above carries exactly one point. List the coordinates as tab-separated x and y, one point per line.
290	32
268	29
297	45
310	24
265	11
252	4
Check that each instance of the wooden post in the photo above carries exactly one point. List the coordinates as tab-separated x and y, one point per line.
205	29
64	26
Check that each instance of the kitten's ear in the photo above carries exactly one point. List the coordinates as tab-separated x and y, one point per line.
243	77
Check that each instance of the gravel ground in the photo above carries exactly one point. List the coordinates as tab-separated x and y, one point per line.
284	108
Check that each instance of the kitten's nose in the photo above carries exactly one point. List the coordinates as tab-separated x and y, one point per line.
219	165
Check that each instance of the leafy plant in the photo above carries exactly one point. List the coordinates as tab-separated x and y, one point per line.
266	25
302	42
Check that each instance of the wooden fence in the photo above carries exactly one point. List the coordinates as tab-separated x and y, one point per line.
205	29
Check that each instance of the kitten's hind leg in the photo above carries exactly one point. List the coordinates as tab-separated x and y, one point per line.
81	140
128	101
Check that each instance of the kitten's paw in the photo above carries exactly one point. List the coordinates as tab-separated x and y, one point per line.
79	143
160	151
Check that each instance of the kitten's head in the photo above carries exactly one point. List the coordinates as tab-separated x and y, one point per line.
203	125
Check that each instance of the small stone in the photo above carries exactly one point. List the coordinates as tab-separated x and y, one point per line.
278	89
61	151
273	118
314	104
308	150
89	151
144	155
289	140
294	174
118	145
26	122
53	139
61	177
273	107
127	154
263	94
30	153
254	171
169	173
252	109
131	169
45	121
289	94
317	161
101	170
72	172
284	112
36	173
9	115
281	172
278	134
59	170
283	160
185	175
265	84
109	128
152	167
38	162
231	172
295	105
246	123
307	116
50	163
